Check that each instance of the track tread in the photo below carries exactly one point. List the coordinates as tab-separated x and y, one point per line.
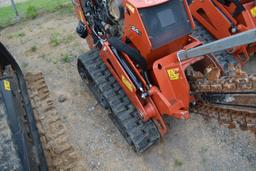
59	152
141	135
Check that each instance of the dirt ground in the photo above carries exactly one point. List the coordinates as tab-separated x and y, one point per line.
49	44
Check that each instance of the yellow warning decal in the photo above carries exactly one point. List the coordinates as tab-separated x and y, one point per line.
130	7
174	74
127	83
253	11
7	85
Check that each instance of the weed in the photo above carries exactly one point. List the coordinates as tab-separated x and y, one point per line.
20	34
33	48
54	61
31	12
67	58
55	39
178	163
10	36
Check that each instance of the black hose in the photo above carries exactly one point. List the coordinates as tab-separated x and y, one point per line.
133	54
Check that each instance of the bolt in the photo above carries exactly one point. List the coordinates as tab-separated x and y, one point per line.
234	30
144	95
141	89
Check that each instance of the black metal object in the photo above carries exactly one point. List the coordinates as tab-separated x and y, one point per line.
231	99
239	39
235	105
128	70
133	54
239	6
81	30
15	8
17	102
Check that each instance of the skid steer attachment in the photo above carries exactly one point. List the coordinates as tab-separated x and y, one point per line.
144	65
32	136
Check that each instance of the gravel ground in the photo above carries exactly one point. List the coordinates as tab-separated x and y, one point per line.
49	44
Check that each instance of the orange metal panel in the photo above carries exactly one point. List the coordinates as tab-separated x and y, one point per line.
145	3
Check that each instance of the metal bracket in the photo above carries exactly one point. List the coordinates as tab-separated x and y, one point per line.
240	39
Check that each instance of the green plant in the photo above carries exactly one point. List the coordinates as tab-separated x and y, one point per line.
55	39
178	163
54	61
33	48
21	34
67	58
31	12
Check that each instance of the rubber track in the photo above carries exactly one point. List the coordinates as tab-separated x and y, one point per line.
141	135
222	57
59	152
9	159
